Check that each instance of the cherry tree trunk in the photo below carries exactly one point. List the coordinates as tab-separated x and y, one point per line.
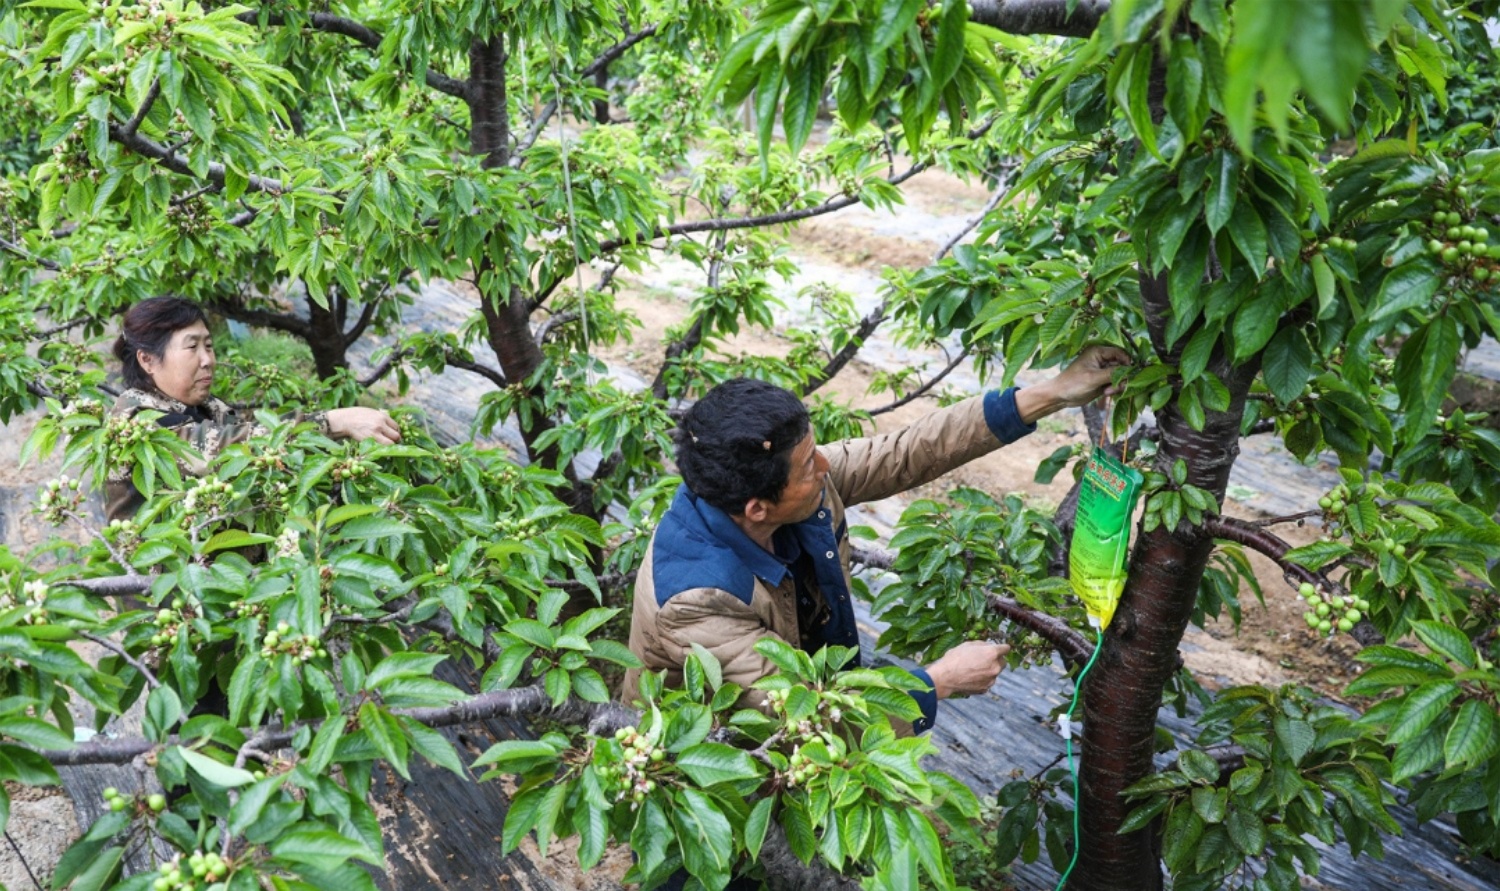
1124	691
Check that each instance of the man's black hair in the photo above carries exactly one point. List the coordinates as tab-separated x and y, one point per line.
735	443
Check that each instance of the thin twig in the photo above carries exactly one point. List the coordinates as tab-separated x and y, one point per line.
384	367
118	650
19	251
45	333
17	848
116	553
924	389
999	195
762	751
147	101
556	320
1288	519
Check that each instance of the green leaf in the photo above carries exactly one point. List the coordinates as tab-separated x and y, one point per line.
251	802
1255	323
895	18
1328	49
369	528
756	825
1296	737
1474	737
219	774
1409	286
533	632
1288	364
1199	766
1247	832
35	733
703	830
1446	640
517	755
1211	804
402	665
234	538
711	763
1419	709
1180	836
1219	201
319	847
99	870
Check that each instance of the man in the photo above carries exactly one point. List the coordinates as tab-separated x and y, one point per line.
755	544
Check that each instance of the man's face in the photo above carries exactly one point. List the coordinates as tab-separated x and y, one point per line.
804	484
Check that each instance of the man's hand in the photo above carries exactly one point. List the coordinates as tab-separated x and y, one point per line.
363	423
1080	383
969	668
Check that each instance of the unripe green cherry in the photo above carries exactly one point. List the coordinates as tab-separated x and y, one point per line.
1322	609
1306	589
157	802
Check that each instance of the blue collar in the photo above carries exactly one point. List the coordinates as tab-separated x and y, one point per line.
727	532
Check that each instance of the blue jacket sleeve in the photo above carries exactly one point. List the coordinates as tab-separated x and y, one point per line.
927	700
1002	416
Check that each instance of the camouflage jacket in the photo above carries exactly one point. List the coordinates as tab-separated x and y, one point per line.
208	437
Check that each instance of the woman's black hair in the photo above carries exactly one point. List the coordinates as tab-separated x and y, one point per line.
734	443
148	326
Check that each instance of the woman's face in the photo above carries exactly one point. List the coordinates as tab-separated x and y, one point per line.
185	370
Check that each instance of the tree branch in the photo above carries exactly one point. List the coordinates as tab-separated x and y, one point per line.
361	34
1072	646
112	585
147	101
1001	190
483	371
1039	16
599	64
167	156
118	650
866	327
874	558
361	323
924	389
554	321
1256	538
771	219
532	702
384	368
262	318
19	251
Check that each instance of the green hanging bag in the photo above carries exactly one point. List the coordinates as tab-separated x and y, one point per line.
1101	534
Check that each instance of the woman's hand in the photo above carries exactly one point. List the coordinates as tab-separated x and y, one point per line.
968	669
363	423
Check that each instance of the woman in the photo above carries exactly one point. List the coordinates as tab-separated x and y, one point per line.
167	356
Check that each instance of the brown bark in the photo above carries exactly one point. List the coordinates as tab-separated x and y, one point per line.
1124	693
325	337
